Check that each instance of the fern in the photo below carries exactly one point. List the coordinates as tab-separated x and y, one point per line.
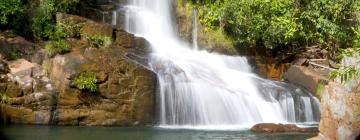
345	73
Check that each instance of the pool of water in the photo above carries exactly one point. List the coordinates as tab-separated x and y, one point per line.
33	132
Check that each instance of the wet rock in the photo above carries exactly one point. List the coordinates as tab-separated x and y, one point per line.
305	77
279	128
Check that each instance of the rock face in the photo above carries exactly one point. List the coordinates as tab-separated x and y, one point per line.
340	108
45	94
27	94
339	120
279	128
305	77
126	89
211	40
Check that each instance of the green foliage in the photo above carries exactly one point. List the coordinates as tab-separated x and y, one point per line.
4	99
98	41
43	22
44	19
320	89
57	47
11	13
12	53
357	112
345	73
274	23
86	81
67	5
350	52
66	29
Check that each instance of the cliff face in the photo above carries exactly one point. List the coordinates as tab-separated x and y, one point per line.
338	117
42	91
340	105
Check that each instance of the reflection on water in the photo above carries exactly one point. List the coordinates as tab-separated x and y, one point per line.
16	132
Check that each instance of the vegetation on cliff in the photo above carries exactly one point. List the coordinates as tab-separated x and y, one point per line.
86	81
16	15
281	23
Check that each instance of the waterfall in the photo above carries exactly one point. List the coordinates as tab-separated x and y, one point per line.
114	18
205	90
194	30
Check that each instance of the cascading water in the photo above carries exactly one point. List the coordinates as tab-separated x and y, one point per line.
194	30
211	91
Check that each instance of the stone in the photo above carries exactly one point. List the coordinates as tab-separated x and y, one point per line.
91	28
127	87
21	67
279	128
119	103
4	68
338	117
305	77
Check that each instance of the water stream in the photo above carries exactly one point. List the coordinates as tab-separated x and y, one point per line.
202	90
195	30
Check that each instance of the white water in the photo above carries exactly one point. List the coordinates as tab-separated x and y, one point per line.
202	90
194	30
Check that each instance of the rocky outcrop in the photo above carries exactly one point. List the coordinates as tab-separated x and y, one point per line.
45	94
339	120
340	107
27	95
305	77
126	88
279	128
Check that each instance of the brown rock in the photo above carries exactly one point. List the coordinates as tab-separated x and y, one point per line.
4	68
338	117
279	128
305	77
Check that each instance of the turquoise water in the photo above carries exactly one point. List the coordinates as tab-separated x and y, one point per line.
32	132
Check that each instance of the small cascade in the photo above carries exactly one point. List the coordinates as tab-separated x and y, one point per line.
114	18
194	30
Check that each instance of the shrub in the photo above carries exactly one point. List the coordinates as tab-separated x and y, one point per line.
4	99
44	19
86	81
44	22
68	28
57	47
99	41
13	53
67	5
11	14
345	73
282	22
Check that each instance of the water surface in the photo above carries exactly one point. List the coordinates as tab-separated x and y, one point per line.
33	132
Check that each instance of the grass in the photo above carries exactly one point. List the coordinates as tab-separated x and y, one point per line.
99	41
57	47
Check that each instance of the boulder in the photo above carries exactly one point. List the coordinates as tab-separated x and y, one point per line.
305	77
29	97
339	120
279	128
340	106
